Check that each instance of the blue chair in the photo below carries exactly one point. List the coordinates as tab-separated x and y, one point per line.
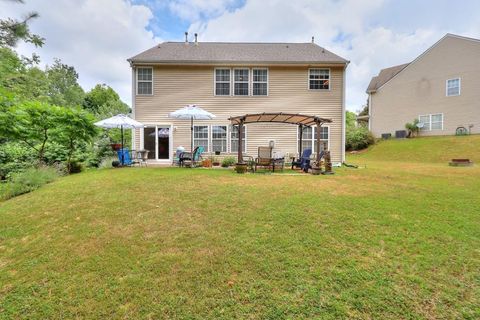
304	161
127	161
187	156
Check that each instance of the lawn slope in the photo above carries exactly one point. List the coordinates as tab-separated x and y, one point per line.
394	240
425	149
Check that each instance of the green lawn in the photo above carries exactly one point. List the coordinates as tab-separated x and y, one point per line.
391	240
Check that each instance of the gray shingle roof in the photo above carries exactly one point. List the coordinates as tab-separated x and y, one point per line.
232	52
384	76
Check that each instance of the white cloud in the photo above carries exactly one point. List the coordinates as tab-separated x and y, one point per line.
351	28
193	10
96	37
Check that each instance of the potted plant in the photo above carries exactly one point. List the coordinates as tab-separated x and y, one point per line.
215	162
241	167
116	146
316	168
207	163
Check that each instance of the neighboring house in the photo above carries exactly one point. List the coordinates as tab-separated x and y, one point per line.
440	88
233	79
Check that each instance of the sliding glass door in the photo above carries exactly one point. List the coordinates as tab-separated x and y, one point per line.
157	140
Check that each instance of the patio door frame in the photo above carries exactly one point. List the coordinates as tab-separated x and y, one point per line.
170	140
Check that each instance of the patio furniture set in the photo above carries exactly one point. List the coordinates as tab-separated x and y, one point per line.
128	157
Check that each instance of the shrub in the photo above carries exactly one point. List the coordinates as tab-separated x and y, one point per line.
75	166
15	157
26	181
228	161
107	163
358	138
412	128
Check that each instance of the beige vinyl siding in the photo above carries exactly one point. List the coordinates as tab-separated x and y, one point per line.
177	86
420	89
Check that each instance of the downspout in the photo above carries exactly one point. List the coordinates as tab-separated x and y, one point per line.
369	111
134	90
343	111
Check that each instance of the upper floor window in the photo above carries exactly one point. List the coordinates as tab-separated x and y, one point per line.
240	82
453	87
222	82
260	82
319	79
145	81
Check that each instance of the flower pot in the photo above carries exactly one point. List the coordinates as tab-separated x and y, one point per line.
116	146
316	171
216	164
241	167
207	163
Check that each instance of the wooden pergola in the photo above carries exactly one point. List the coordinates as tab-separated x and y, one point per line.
301	120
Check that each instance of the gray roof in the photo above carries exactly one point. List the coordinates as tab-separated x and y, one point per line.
384	76
233	52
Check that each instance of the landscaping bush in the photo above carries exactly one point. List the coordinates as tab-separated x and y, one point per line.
14	157
358	138
26	181
228	161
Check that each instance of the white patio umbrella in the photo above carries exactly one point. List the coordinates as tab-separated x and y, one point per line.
120	121
191	112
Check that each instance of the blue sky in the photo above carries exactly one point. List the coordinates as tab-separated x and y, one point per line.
97	37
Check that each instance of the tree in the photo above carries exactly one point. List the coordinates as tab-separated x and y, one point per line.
63	88
13	30
31	123
75	127
364	111
104	102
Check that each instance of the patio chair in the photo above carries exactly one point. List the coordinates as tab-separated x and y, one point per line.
304	161
187	156
127	161
264	158
142	156
134	157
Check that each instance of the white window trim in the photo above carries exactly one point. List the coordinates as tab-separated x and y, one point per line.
248	82
329	79
230	141
207	150
215	81
268	82
210	142
136	81
313	140
459	87
157	126
430	121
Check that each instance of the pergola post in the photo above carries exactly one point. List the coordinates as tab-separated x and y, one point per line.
240	147
319	126
300	127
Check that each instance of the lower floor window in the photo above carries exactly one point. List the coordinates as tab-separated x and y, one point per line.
200	137
309	140
431	122
234	139
219	138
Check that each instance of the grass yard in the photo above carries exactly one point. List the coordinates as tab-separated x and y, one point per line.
399	239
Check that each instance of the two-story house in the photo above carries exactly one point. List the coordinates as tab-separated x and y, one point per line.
232	79
440	88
